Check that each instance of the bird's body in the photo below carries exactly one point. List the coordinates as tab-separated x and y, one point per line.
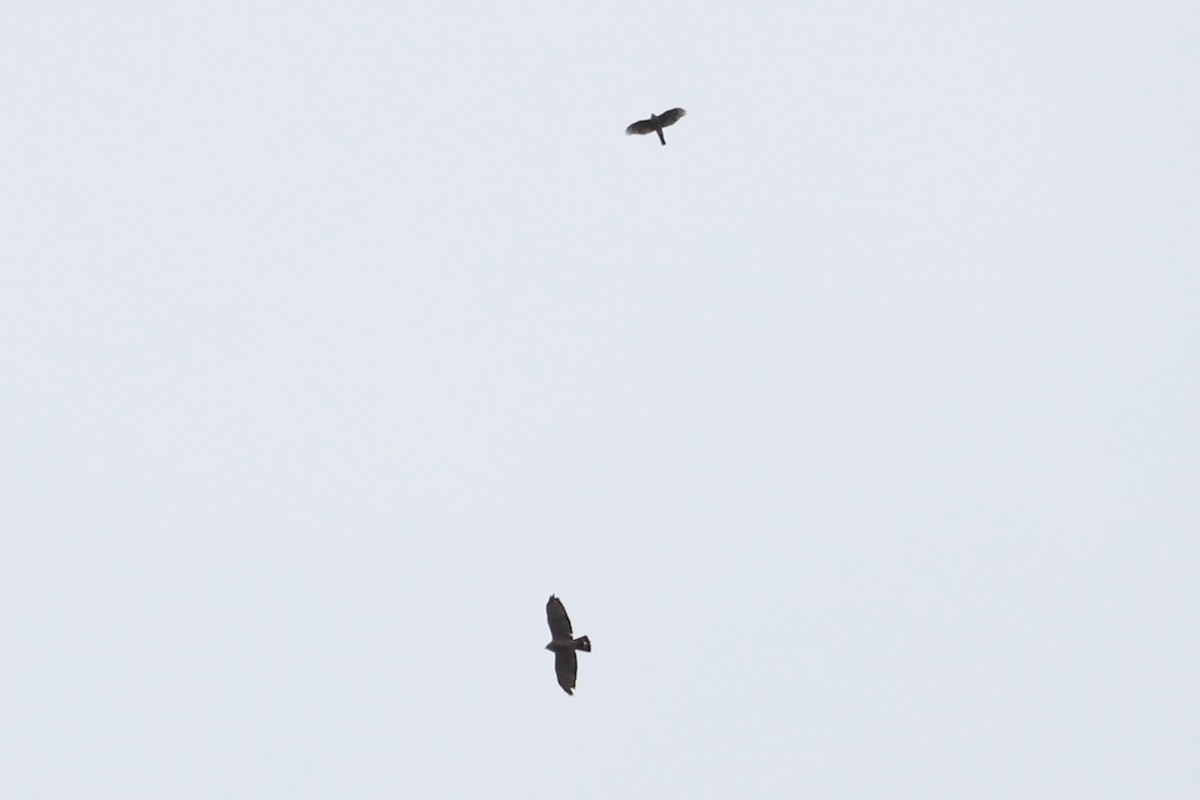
656	123
563	645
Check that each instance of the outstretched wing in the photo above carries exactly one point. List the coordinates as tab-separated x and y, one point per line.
566	665
641	127
560	628
671	117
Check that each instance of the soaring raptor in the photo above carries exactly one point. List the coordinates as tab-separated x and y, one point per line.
562	645
656	123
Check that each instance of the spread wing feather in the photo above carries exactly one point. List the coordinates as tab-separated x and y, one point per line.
560	626
671	117
566	666
641	127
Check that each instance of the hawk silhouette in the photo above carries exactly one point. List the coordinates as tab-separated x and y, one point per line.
562	645
656	123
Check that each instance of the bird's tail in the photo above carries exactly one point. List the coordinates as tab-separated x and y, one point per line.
583	643
661	138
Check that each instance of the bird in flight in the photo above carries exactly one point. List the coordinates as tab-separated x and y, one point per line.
656	123
562	645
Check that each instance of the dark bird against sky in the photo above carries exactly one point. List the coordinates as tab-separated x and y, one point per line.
562	645
656	123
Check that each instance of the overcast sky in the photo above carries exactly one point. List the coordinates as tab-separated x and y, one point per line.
859	426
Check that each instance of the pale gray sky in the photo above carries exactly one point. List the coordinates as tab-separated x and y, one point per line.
857	426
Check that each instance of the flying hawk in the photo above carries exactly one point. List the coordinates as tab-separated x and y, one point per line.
562	645
656	123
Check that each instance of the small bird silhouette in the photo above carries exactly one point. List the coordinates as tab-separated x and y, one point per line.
656	123
564	645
